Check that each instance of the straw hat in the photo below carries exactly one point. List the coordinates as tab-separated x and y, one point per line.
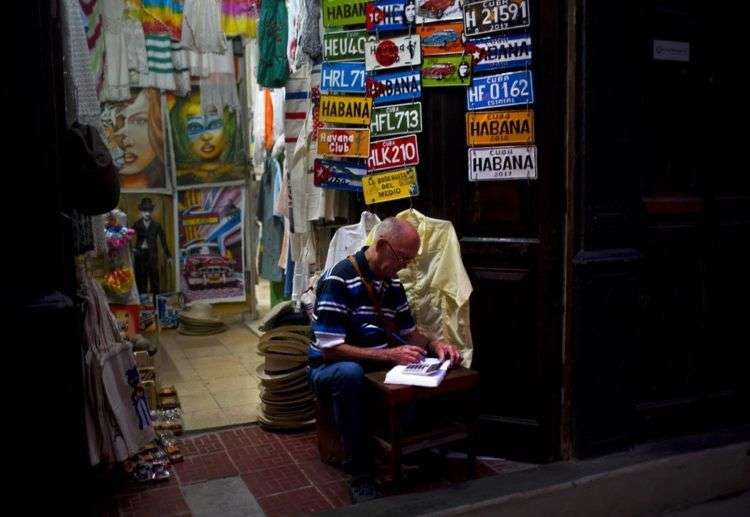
279	380
200	312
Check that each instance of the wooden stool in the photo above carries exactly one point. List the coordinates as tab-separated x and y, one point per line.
330	445
392	398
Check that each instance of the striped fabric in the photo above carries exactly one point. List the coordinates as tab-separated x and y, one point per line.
161	17
92	12
343	307
160	66
296	106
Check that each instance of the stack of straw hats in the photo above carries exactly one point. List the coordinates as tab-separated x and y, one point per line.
286	399
199	320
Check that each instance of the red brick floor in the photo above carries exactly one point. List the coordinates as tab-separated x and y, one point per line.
282	471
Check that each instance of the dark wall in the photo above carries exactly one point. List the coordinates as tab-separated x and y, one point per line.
664	227
42	361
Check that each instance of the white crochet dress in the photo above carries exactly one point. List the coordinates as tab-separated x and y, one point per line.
116	76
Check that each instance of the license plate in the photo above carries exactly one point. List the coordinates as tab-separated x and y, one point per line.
446	71
396	120
500	127
498	52
344	46
441	38
337	13
388	15
345	109
339	175
488	16
502	163
340	142
393	52
500	90
396	152
342	78
391	185
404	85
429	11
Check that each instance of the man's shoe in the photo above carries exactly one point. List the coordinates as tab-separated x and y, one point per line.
363	489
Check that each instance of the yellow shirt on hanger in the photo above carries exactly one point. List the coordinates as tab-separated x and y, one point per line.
437	285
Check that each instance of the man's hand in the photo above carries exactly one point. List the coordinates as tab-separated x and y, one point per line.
445	351
406	354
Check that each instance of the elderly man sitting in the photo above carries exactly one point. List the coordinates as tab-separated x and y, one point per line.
363	323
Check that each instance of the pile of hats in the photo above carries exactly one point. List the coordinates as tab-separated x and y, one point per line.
286	399
199	320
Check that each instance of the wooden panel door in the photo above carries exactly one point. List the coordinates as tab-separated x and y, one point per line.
511	241
695	227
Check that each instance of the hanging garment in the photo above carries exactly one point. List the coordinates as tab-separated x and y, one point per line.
135	39
302	249
92	12
181	64
219	86
239	17
309	38
272	231
349	239
116	76
294	22
201	27
84	101
299	165
284	250
437	285
161	70
296	107
273	68
268	121
162	17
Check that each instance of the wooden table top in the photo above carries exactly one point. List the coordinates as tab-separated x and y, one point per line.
456	380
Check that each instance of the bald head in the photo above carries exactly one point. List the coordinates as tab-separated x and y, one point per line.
395	243
397	231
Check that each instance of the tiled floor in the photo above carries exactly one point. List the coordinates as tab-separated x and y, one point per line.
214	376
283	472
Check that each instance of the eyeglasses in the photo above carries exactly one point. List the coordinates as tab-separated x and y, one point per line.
400	258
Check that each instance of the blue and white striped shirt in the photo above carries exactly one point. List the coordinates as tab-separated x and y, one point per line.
344	312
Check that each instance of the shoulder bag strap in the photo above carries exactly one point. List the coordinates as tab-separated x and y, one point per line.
388	326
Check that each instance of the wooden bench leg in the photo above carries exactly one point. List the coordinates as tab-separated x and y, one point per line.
394	428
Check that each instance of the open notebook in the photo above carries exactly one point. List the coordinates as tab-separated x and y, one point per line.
419	374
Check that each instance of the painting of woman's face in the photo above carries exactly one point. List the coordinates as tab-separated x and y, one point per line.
132	135
206	135
207	143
